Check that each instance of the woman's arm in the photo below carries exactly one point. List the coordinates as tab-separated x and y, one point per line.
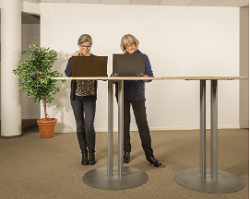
148	70
68	70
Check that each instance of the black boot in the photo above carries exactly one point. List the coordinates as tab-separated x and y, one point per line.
81	136
126	157
85	158
91	147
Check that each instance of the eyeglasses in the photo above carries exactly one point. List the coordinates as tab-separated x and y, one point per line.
131	45
85	47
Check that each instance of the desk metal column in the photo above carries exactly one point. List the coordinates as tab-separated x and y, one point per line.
209	180
110	128
120	127
113	177
203	129
214	132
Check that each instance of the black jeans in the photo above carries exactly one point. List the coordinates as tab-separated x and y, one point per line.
84	106
142	124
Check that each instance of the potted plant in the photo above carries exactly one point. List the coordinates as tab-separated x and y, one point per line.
36	73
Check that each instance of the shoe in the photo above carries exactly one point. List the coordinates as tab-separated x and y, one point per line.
153	161
126	157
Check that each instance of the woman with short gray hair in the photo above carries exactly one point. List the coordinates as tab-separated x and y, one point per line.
134	95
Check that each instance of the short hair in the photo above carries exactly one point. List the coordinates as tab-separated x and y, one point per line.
85	38
126	39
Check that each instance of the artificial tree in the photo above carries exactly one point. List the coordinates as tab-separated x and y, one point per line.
36	72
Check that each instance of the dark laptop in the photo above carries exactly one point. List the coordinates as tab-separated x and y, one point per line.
89	66
129	65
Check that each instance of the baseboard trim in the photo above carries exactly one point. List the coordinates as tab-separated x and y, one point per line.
31	118
153	129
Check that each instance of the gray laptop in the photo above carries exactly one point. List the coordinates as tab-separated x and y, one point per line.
89	66
129	65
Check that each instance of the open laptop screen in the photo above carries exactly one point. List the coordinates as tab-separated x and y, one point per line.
89	66
129	65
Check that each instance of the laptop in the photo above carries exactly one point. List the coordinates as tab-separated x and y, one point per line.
89	66
129	65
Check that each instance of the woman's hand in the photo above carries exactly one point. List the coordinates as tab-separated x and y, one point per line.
78	53
145	80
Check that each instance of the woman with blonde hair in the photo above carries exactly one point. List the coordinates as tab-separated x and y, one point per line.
134	94
83	101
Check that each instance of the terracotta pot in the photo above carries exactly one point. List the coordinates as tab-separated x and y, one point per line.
47	127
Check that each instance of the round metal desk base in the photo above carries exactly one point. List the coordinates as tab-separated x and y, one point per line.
226	183
131	178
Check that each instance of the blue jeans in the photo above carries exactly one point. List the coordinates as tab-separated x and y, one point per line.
84	111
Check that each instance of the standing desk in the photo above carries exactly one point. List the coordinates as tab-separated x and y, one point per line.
204	180
209	180
117	177
114	177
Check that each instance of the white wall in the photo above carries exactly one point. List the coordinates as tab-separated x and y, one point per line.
32	8
180	41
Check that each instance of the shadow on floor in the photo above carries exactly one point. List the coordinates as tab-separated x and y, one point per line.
28	126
